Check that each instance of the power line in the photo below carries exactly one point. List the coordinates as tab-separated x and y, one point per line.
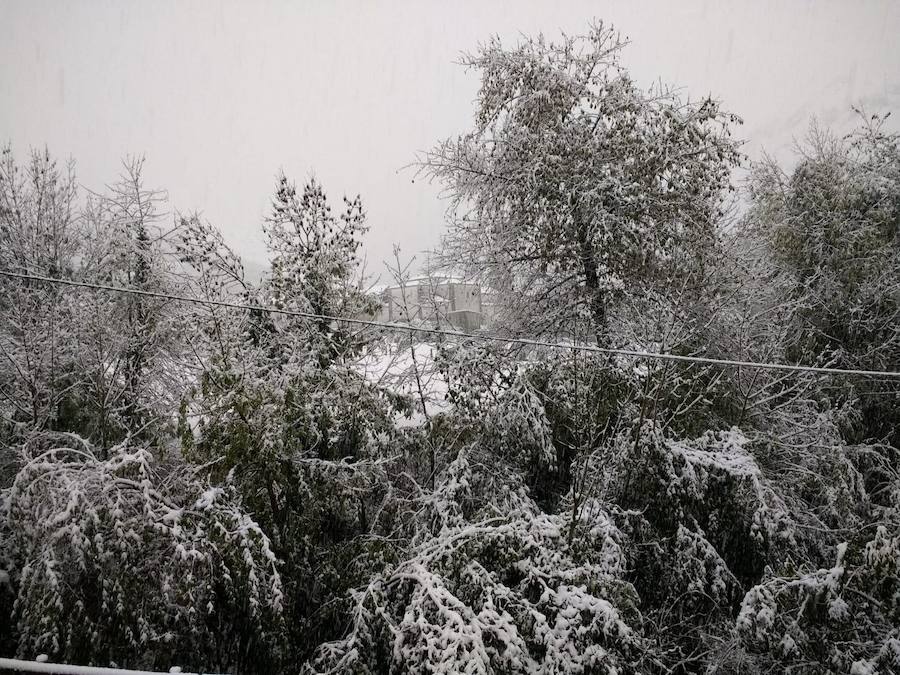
662	356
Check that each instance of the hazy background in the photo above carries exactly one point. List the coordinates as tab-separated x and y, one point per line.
220	96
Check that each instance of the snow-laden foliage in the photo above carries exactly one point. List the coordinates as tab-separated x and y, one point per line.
39	234
832	224
280	405
575	184
126	561
314	259
101	365
231	488
844	618
520	426
494	585
703	523
539	410
132	344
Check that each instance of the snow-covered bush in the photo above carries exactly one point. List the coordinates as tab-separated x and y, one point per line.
495	585
839	619
539	410
126	561
518	427
711	485
699	520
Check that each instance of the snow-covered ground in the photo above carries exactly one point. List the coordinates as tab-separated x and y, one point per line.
405	368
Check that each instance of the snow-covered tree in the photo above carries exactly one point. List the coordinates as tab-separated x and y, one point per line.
40	234
832	223
126	561
97	364
315	267
561	511
278	403
130	345
576	184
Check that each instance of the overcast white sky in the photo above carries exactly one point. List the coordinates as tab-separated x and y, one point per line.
220	96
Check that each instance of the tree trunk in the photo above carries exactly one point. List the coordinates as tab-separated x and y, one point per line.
138	320
596	297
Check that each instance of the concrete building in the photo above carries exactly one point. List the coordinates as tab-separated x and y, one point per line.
433	300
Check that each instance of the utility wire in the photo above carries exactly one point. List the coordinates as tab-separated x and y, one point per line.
662	356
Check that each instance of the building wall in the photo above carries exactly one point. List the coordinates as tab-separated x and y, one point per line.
423	298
